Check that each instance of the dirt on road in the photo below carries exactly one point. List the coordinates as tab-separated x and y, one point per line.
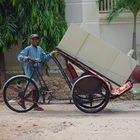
63	121
119	120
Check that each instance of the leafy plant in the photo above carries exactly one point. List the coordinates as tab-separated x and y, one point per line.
19	19
137	93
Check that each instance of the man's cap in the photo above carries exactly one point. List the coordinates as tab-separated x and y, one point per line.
34	36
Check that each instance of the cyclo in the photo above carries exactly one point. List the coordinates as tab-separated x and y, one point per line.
92	88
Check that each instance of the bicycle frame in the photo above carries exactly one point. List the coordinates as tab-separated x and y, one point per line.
42	83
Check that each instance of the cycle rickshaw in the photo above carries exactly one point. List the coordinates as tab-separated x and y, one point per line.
101	65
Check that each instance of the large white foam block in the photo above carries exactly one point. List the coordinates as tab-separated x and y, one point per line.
97	54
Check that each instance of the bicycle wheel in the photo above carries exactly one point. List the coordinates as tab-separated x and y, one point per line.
90	94
17	90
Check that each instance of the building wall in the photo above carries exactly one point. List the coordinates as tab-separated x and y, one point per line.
85	13
13	66
119	33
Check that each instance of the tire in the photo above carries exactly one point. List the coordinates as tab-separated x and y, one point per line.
17	89
90	94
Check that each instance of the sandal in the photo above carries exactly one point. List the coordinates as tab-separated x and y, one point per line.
38	108
22	104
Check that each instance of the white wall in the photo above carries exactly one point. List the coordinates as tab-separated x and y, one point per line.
119	35
74	11
86	14
119	32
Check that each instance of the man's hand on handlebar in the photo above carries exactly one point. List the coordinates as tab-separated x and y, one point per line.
54	53
27	58
31	60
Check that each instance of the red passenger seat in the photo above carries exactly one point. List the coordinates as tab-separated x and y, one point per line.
71	72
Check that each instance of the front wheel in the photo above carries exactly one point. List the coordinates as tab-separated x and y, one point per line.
90	94
18	93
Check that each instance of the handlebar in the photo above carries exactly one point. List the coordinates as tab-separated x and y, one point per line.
33	61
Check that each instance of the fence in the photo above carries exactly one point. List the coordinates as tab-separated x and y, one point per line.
106	5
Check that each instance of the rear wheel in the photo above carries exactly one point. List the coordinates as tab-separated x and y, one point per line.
90	94
18	93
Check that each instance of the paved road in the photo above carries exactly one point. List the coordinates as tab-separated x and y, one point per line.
119	120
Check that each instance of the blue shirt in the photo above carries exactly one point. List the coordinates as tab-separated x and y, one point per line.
36	53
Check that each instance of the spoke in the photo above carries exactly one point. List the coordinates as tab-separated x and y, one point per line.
13	88
90	103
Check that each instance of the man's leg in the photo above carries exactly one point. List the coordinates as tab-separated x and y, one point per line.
21	102
32	94
36	107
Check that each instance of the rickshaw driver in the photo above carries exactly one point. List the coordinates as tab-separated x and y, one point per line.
35	52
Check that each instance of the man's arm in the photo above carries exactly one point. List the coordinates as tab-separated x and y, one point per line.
23	55
44	56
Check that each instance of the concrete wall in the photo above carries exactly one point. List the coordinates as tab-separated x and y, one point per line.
84	13
119	33
12	64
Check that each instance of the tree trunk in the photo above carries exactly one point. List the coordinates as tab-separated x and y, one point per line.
134	39
2	69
